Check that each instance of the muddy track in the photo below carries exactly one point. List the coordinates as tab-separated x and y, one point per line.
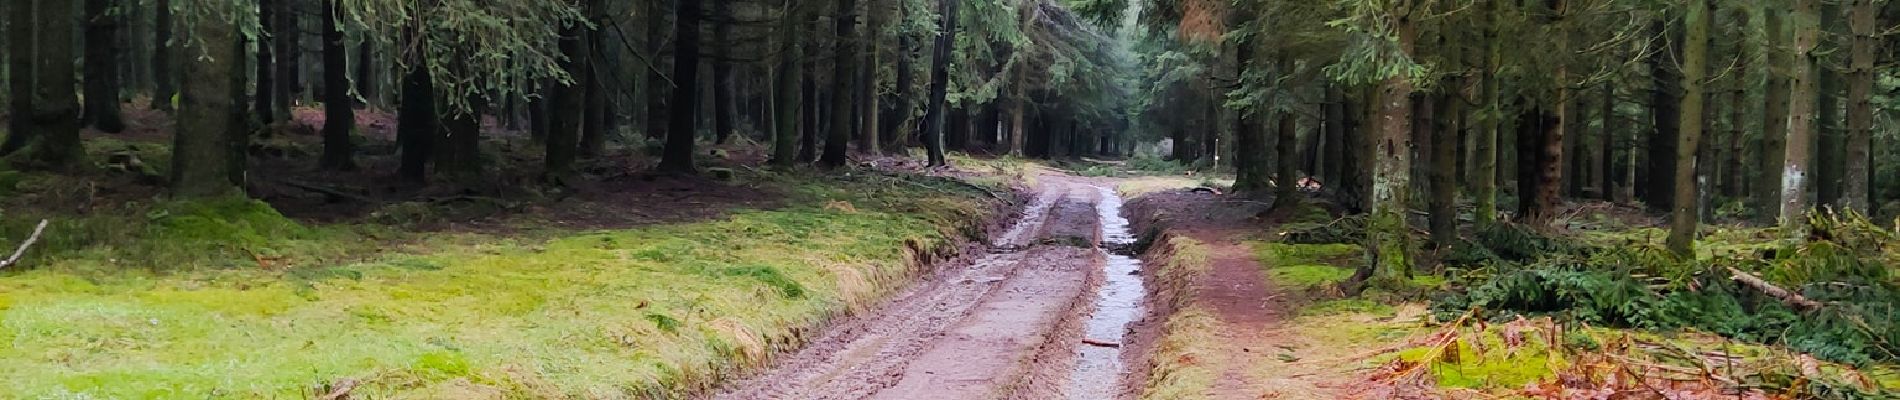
1002	324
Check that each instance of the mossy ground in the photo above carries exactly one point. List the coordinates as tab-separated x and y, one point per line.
228	299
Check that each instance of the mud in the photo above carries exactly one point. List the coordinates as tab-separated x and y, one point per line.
1005	324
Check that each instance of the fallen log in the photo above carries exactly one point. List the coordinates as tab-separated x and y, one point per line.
21	251
1786	296
1100	343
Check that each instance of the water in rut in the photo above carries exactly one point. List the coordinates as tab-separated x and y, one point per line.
1118	301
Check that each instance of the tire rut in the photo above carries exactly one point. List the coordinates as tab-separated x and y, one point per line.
976	310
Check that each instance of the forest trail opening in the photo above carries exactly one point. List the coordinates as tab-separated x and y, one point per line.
1009	323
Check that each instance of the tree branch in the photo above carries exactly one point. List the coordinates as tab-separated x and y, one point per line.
35	237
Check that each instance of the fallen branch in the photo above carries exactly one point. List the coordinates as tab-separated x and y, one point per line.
34	238
1100	343
1792	298
339	390
329	191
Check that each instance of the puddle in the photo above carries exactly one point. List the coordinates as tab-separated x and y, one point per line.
1118	301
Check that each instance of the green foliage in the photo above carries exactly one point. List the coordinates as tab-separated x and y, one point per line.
1647	287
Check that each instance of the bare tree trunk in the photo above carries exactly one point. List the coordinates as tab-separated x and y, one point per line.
940	82
678	155
567	106
846	74
103	81
21	53
203	157
339	115
1485	174
785	143
268	25
1861	17
1794	173
1665	98
867	81
722	71
56	107
163	79
1388	243
1683	221
1774	143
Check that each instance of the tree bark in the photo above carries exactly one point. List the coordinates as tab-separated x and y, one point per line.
56	107
1443	201
417	124
1388	242
20	59
1800	123
785	143
102	83
366	72
868	128
567	106
722	71
339	115
940	82
262	99
845	64
1605	164
1547	195
164	81
658	119
1484	176
677	157
1683	221
1774	142
1861	17
1830	152
288	51
1664	103
202	153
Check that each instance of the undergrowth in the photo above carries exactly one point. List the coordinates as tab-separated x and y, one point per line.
1846	266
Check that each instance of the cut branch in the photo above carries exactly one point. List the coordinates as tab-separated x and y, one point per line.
34	238
1786	296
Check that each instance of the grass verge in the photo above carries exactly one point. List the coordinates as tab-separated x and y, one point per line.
653	311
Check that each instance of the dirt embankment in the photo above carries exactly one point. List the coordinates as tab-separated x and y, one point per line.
1217	319
972	328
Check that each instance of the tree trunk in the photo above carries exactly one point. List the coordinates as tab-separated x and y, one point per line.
1800	128
1664	101
677	157
1388	243
1286	194
1830	152
1861	16
1682	222
1774	143
785	144
417	124
1547	195
567	107
808	129
102	81
56	107
163	79
868	141
20	58
366	72
1443	201
722	70
845	64
202	154
1605	164
287	32
268	26
339	117
658	119
940	82
1335	132
1485	172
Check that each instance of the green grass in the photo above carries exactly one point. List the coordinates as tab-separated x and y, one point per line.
1302	266
653	311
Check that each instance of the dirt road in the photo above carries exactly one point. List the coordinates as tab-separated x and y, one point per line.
1006	324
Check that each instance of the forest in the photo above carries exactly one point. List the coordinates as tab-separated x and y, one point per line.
390	167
